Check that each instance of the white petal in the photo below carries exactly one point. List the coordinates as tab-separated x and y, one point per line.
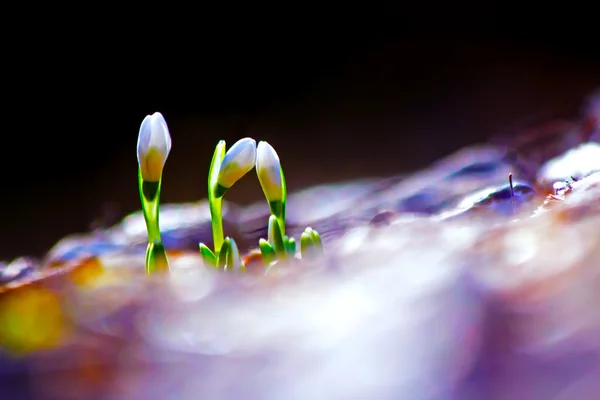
144	138
243	152
268	169
154	145
237	162
160	133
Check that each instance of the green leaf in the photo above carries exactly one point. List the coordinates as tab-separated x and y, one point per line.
207	255
275	237
230	259
283	200
291	247
306	244
310	243
316	239
267	251
234	260
222	257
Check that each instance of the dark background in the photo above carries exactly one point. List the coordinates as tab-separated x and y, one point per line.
340	95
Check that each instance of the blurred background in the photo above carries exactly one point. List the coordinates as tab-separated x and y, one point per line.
340	95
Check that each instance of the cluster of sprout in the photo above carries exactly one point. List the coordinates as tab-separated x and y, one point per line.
226	168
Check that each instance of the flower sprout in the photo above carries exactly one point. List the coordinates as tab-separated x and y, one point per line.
310	243
153	147
272	181
229	256
234	260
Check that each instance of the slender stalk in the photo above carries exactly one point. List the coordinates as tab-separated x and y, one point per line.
281	207
156	257
216	202
216	215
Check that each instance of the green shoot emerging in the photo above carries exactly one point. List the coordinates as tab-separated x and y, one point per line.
310	243
229	256
272	180
226	168
154	145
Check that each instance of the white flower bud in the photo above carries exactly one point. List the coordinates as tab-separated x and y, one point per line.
237	162
268	169
153	147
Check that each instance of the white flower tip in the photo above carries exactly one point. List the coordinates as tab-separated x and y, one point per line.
243	152
268	169
153	147
238	160
266	156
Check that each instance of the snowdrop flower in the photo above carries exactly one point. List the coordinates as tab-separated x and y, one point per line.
238	161
268	169
153	147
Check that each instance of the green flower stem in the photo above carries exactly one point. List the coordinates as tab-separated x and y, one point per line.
277	207
216	214
281	215
156	257
216	202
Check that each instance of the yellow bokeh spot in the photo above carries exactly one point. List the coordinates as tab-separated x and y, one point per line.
87	272
31	319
